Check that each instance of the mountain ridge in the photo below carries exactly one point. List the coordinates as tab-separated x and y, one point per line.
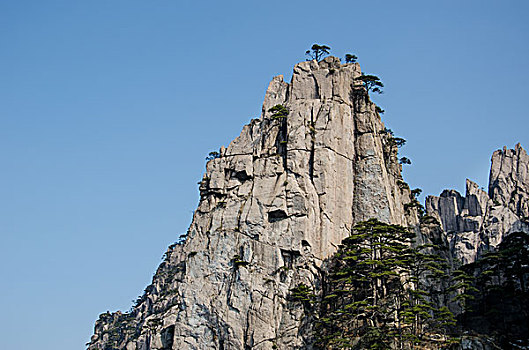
275	204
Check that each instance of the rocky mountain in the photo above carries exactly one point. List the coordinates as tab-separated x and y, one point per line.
479	221
278	201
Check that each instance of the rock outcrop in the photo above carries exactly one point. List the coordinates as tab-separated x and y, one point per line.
479	221
277	202
274	205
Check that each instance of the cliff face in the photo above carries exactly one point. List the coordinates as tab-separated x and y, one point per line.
274	205
479	221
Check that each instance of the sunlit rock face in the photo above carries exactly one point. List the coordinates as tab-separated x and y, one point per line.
277	202
479	221
274	205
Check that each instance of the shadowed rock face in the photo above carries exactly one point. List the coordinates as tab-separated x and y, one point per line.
274	205
479	221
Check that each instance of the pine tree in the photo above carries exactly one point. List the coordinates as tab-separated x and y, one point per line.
493	291
419	312
377	293
317	52
371	83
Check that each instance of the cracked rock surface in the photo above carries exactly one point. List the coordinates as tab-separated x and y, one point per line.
479	221
273	207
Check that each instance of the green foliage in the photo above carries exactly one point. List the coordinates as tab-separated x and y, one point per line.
425	268
350	58
317	52
416	192
493	291
402	184
399	141
415	204
278	112
404	160
375	338
302	294
377	294
122	328
213	155
395	141
371	83
140	299
238	261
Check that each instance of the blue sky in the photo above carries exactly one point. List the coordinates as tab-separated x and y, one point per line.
108	109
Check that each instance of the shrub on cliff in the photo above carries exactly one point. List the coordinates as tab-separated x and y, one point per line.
278	112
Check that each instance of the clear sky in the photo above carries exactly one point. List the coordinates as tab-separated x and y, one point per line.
109	107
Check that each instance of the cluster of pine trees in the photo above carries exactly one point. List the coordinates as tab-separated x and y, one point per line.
378	293
496	287
383	291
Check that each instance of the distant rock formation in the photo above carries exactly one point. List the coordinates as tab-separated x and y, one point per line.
479	221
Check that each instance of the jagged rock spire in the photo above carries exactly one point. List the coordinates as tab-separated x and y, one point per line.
274	205
479	221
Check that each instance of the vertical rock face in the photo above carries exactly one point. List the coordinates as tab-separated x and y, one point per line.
509	180
274	205
479	221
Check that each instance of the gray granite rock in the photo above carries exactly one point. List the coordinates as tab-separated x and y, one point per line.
278	202
479	221
274	205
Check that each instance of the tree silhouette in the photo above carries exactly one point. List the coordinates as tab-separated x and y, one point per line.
404	160
371	83
399	141
317	52
350	58
212	155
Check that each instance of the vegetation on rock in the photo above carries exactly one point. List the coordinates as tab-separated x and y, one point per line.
383	291
350	58
317	52
213	155
371	83
379	110
278	112
378	292
494	295
404	160
239	262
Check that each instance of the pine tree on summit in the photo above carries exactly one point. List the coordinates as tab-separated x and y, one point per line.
350	58
317	52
